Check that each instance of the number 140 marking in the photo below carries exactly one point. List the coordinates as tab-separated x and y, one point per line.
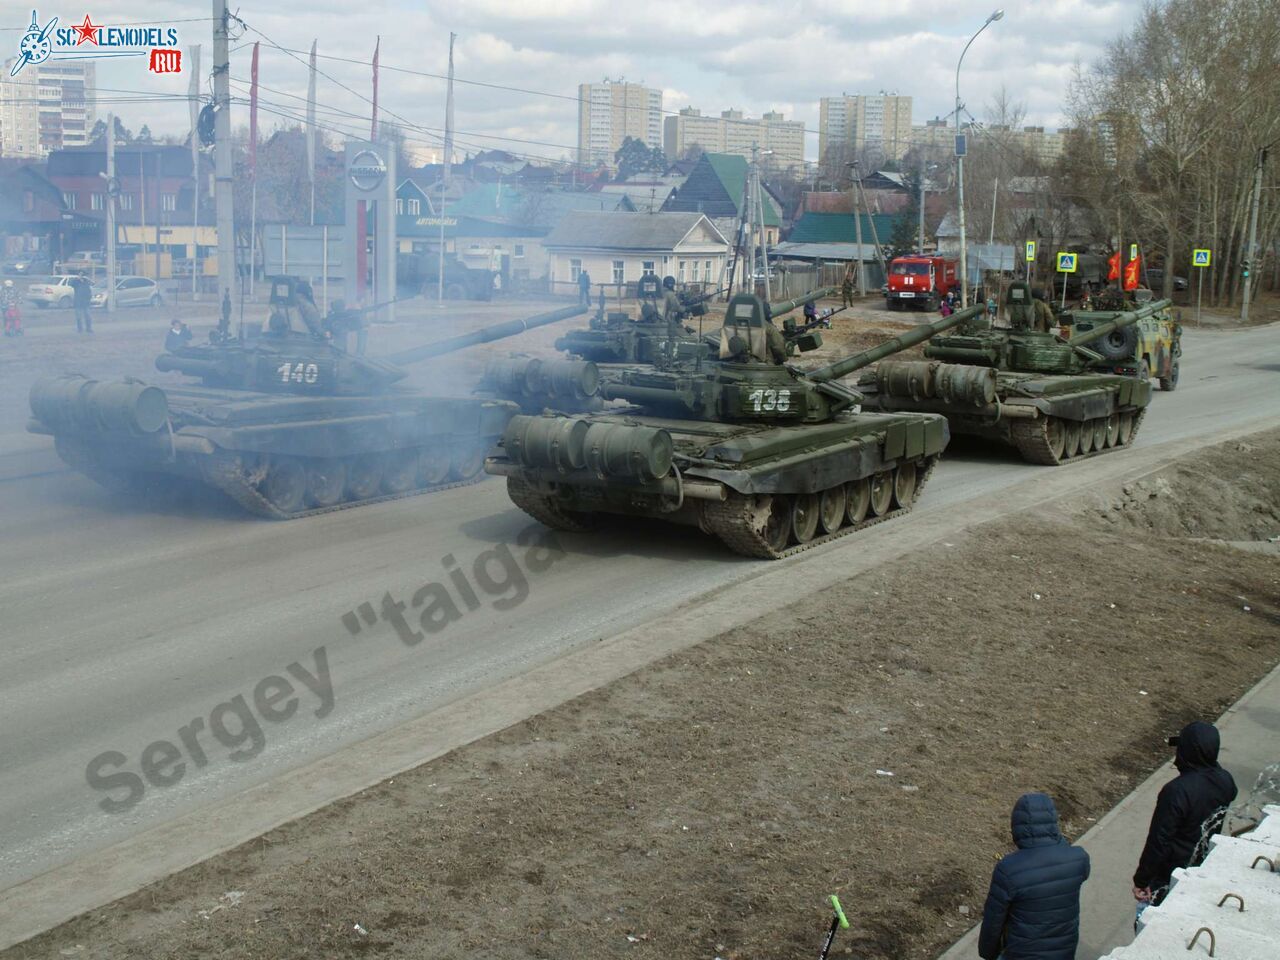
298	372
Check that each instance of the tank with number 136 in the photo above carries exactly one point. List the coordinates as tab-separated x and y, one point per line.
769	458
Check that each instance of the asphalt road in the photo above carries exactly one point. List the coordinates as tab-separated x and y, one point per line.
127	625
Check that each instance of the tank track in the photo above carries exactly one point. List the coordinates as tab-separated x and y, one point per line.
730	520
1028	437
542	507
225	474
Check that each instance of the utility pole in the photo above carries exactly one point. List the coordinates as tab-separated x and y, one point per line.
223	176
193	92
113	188
922	176
857	230
1251	248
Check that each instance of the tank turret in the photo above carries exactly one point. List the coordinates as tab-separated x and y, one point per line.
766	456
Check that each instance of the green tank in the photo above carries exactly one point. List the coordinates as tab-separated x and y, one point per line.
614	340
768	458
1039	392
288	423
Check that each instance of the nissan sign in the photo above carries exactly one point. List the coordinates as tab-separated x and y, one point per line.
367	170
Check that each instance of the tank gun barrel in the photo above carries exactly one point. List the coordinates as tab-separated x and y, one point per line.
1118	321
497	331
786	306
917	334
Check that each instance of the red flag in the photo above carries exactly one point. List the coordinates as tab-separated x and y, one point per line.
373	126
253	115
1131	273
1114	264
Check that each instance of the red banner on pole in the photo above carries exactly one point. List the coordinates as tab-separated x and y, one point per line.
373	125
253	114
1131	273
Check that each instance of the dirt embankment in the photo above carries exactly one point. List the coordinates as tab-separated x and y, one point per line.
867	741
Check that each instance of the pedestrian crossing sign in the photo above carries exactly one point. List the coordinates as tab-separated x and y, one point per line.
1066	263
1201	258
1031	251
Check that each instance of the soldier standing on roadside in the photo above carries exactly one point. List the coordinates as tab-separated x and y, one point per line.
846	289
81	298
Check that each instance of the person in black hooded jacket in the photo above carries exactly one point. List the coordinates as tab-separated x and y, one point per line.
1188	809
1033	905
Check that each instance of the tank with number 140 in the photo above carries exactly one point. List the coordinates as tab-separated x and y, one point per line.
287	422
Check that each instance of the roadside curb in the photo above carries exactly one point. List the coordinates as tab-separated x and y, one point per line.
95	879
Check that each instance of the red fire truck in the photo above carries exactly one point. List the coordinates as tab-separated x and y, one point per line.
920	281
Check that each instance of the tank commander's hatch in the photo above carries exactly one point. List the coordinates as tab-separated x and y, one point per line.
743	330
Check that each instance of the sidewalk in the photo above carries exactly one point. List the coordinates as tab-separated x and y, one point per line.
1250	740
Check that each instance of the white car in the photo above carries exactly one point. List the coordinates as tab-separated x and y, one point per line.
130	292
55	292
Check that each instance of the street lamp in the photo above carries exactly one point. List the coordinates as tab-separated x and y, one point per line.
960	151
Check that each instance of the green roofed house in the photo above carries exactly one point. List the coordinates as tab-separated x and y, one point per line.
833	238
715	187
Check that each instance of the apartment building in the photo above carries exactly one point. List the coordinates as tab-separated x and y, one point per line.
611	111
47	106
1040	143
881	122
781	141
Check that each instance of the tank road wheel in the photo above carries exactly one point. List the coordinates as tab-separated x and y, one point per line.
285	484
364	476
881	493
1041	440
1110	429
467	460
753	526
326	481
1086	437
1171	381
1124	429
1070	438
904	484
857	496
831	509
1099	425
804	516
545	508
401	472
433	465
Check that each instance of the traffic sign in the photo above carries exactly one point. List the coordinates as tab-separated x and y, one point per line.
1201	258
1067	263
1133	251
962	148
1031	251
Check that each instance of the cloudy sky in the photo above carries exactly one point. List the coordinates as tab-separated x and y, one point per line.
752	55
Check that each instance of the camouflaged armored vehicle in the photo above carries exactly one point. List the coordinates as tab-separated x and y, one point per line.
1037	391
287	422
1150	349
766	457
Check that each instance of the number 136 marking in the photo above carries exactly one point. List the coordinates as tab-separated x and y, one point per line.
763	400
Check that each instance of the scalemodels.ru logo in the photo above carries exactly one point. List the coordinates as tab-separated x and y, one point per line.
91	40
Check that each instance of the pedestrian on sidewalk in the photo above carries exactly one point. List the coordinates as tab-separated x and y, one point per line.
1189	810
9	300
584	288
81	297
1033	904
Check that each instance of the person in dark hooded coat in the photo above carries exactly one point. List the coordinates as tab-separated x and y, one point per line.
1189	808
1033	905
